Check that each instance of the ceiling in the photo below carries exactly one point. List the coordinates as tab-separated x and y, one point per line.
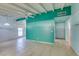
27	9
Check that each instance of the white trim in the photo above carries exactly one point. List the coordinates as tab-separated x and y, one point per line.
75	51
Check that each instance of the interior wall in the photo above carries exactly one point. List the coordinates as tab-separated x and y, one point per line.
59	30
75	27
68	32
42	31
7	32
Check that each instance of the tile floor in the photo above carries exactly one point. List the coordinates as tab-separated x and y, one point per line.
23	47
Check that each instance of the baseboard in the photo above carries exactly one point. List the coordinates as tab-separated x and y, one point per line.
11	39
40	42
74	51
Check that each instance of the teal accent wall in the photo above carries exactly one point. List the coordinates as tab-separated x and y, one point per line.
41	17
62	12
42	31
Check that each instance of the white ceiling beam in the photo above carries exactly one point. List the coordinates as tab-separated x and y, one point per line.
10	8
29	5
43	7
26	7
48	6
10	12
26	10
38	7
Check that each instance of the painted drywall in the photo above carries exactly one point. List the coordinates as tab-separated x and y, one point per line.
68	32
75	28
42	31
7	32
61	19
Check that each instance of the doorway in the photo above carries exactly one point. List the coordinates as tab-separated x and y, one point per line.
22	28
59	31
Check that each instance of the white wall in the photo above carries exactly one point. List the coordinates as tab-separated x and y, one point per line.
7	32
68	32
75	28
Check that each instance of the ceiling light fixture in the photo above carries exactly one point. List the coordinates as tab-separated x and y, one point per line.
7	24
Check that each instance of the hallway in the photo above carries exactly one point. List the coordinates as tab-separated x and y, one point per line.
23	47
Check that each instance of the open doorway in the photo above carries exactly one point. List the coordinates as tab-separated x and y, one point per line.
59	31
21	28
20	31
